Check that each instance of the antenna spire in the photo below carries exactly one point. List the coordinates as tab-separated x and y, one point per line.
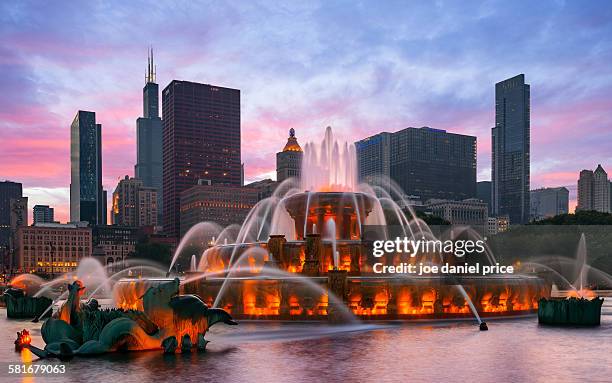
151	67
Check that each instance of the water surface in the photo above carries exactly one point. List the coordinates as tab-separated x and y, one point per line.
513	350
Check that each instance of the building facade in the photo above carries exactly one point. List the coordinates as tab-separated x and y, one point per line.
42	214
549	202
52	248
113	245
149	139
497	224
483	193
222	204
289	160
585	190
265	188
374	160
9	191
424	162
469	212
594	190
134	204
19	213
201	140
87	197
511	150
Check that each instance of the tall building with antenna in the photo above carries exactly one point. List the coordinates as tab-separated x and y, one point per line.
149	137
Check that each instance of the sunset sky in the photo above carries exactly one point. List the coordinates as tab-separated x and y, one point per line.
360	67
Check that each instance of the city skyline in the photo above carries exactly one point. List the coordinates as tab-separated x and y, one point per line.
411	67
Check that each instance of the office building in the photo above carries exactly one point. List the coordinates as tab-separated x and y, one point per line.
52	248
201	140
585	190
374	160
549	202
149	138
222	204
114	244
42	214
289	160
594	190
9	191
510	150
19	213
265	188
483	193
134	204
425	163
497	224
87	197
469	212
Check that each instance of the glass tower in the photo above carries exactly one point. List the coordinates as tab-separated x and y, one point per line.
87	201
510	150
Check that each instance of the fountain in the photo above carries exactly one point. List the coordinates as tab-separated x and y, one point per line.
305	253
581	308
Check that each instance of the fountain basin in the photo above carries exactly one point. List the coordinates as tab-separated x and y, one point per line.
570	311
282	297
21	306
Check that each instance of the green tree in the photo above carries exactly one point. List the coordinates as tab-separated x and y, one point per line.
158	252
589	217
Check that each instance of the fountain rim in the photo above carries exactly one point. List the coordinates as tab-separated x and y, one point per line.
457	278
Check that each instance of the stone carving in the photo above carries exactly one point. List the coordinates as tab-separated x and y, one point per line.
85	329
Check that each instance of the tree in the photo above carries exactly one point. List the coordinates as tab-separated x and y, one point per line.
158	252
581	217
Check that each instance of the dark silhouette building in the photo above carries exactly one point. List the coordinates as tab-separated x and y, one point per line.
483	193
548	202
87	198
510	152
424	162
149	138
201	140
42	214
9	192
373	159
13	214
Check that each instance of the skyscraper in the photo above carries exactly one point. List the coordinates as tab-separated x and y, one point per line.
483	193
585	190
201	140
373	159
87	198
424	162
549	202
594	190
8	191
601	190
19	213
42	214
149	138
134	204
510	152
289	160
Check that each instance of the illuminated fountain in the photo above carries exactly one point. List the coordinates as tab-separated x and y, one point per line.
306	253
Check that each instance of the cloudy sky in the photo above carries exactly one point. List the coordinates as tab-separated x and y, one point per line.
361	67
